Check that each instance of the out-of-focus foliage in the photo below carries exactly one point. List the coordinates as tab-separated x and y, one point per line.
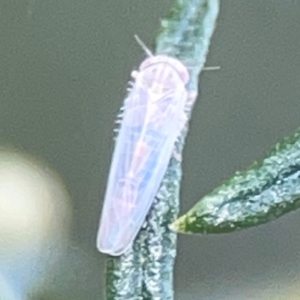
34	223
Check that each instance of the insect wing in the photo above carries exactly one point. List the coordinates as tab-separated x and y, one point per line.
153	119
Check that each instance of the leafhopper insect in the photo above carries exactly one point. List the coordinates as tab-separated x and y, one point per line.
152	121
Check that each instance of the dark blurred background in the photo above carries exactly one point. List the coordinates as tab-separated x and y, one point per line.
64	67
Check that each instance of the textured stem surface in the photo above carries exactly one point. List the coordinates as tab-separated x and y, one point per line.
146	271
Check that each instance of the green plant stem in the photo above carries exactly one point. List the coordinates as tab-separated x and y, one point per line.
146	271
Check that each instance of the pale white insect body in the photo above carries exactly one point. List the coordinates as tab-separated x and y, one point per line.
152	121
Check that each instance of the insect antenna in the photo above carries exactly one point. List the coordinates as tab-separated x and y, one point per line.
144	47
211	68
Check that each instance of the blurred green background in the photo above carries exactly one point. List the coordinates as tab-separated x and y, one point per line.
64	67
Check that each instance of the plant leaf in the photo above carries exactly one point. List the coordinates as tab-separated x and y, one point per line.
264	192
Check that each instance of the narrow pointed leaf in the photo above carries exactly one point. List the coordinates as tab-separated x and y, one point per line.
264	192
